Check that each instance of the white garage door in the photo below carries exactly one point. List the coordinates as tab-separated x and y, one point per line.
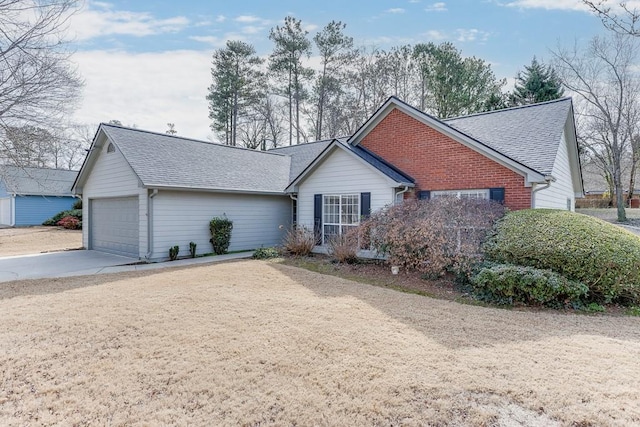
114	225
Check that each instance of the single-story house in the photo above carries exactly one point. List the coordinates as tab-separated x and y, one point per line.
144	192
29	196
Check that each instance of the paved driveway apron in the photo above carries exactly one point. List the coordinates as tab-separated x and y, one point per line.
58	264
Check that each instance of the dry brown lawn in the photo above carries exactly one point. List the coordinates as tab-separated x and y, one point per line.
259	343
33	240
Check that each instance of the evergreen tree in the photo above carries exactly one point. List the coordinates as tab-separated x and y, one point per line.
452	85
237	82
291	44
336	52
538	83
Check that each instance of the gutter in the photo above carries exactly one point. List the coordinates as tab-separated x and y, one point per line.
153	194
548	179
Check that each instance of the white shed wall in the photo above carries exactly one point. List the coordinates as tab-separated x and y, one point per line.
555	197
342	173
183	217
112	176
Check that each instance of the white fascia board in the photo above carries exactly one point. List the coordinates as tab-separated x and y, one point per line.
335	144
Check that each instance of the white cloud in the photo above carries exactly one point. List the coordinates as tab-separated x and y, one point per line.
548	4
395	10
210	40
435	35
147	89
100	19
437	7
247	19
221	18
471	35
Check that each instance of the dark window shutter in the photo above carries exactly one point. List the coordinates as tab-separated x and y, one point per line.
424	195
317	217
365	205
497	194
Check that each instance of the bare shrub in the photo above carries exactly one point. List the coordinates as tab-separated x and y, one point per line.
299	241
344	247
432	236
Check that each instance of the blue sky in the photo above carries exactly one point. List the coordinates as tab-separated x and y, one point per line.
148	62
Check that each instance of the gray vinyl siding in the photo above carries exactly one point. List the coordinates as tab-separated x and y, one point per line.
342	173
183	217
555	197
111	177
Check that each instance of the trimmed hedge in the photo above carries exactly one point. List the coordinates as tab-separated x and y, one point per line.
603	256
220	228
515	284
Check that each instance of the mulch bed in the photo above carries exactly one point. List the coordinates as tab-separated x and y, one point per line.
378	273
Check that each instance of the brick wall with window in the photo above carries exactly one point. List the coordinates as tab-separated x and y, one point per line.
438	163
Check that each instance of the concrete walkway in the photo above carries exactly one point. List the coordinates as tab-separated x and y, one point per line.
83	263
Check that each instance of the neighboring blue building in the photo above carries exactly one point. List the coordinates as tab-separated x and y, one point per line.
29	196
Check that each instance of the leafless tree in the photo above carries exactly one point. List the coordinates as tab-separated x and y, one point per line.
38	83
602	77
617	16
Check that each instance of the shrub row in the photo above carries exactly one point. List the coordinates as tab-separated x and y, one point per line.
74	213
583	249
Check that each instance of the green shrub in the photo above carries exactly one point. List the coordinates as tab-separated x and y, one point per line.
173	252
220	228
299	241
192	249
76	213
603	256
513	284
432	236
77	204
266	253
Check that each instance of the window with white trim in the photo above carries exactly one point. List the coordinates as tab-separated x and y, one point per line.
462	194
340	214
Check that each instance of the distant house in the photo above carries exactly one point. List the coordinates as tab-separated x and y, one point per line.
29	196
144	192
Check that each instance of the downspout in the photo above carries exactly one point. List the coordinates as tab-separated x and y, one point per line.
548	180
12	220
153	194
406	188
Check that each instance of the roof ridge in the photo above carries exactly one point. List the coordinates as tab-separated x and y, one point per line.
304	143
188	139
502	110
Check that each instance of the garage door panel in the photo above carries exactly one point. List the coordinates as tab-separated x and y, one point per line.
114	225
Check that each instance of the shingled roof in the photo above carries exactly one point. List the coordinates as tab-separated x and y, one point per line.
301	155
529	134
161	160
28	181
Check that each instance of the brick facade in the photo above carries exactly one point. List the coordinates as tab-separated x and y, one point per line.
438	162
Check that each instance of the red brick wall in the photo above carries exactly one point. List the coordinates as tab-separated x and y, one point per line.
437	162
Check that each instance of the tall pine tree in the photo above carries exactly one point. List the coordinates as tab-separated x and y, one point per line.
237	82
291	45
538	83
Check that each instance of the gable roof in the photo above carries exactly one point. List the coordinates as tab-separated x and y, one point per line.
28	181
167	161
529	134
390	172
482	146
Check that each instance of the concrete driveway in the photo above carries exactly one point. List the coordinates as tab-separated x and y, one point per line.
58	264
